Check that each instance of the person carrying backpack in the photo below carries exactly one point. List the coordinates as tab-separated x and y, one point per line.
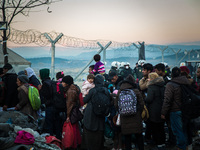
130	115
98	101
172	105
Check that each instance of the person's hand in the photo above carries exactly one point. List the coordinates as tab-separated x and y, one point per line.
162	117
67	119
5	107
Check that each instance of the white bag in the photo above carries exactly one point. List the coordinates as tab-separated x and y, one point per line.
118	122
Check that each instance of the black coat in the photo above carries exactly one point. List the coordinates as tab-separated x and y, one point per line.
154	99
90	120
11	93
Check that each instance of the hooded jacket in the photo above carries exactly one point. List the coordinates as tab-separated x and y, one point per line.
24	104
154	99
90	120
172	97
133	123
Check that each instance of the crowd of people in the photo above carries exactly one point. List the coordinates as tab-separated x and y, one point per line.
155	87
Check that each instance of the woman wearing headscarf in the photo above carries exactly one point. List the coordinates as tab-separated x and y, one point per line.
33	80
24	104
132	124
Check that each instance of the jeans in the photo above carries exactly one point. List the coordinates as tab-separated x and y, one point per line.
177	129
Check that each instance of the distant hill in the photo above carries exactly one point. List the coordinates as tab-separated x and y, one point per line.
45	62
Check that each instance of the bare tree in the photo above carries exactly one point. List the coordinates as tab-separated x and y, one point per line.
12	8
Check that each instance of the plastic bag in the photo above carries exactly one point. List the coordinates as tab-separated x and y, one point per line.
118	122
67	135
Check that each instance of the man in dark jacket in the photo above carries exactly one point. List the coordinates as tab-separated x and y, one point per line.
171	105
160	70
11	94
115	79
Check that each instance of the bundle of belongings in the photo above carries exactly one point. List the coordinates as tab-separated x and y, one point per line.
19	132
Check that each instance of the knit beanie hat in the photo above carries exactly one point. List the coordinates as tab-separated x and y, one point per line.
44	73
23	78
185	69
68	80
7	66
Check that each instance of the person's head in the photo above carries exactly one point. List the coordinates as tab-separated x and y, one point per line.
59	75
21	73
91	68
160	69
44	73
114	64
127	65
185	71
176	72
99	80
198	73
152	76
7	67
29	72
97	57
22	79
189	63
136	64
67	81
90	78
147	68
112	76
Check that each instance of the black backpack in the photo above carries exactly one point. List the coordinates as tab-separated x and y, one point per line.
190	102
100	102
58	94
54	95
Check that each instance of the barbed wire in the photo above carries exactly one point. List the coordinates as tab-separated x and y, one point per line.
36	37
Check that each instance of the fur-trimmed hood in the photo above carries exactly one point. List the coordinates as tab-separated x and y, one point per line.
157	81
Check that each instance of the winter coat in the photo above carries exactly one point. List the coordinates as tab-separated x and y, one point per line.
86	87
172	96
154	99
11	94
24	104
46	92
72	97
90	120
34	81
133	123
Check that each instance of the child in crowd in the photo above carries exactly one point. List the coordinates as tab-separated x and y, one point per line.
91	67
59	76
99	66
87	85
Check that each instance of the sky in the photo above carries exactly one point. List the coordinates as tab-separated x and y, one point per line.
152	21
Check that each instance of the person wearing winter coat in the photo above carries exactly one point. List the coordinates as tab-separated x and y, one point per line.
93	130
132	124
154	102
11	94
171	105
72	99
33	80
24	104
